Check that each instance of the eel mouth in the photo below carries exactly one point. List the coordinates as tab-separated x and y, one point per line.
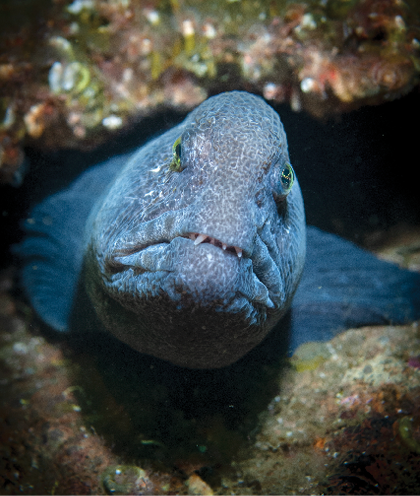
121	259
199	238
226	273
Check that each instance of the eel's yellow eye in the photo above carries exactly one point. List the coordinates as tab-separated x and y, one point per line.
287	176
175	164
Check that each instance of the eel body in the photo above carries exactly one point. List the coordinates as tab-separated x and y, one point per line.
192	248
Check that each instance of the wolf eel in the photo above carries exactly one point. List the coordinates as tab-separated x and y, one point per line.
192	248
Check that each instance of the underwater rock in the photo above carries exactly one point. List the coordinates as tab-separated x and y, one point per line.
126	479
74	72
196	485
342	417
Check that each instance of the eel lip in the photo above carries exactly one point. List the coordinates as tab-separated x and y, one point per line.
133	256
197	238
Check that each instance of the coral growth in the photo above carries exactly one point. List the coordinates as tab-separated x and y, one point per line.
71	73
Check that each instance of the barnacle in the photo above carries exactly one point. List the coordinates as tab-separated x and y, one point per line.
82	89
34	120
69	78
63	47
126	479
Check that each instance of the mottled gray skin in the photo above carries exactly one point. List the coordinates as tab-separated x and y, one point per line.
199	306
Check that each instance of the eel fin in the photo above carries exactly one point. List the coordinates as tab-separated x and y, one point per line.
52	249
344	286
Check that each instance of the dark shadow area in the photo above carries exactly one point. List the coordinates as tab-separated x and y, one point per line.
145	407
357	171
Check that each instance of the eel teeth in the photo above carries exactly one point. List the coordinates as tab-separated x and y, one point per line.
204	238
200	238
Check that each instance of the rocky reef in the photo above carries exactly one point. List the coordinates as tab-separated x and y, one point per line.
72	73
86	416
80	417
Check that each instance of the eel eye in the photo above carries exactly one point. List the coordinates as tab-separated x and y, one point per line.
175	164
287	177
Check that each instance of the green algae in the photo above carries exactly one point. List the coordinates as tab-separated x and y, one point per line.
310	356
339	9
65	78
406	429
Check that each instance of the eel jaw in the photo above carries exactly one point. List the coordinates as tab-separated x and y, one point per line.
199	238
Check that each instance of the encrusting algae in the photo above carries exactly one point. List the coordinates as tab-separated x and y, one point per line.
349	425
75	71
339	417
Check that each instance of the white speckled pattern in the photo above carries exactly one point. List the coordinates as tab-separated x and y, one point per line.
197	304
